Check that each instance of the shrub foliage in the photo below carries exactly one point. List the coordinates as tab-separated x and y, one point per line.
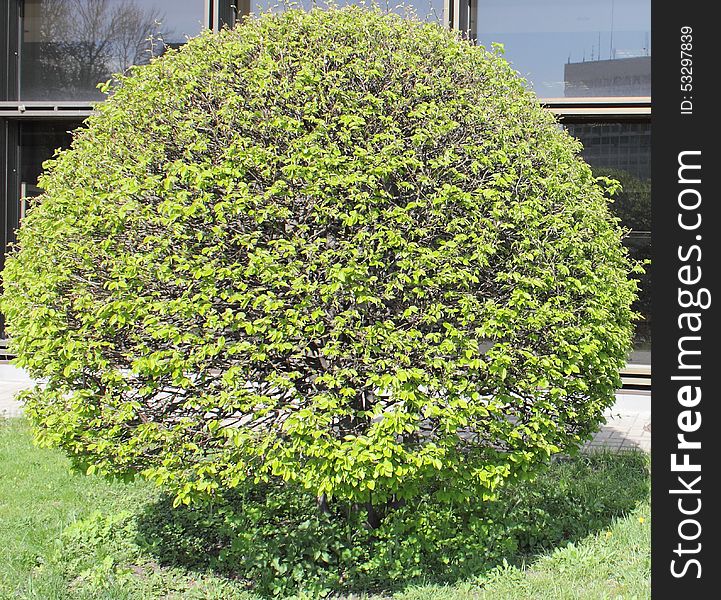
337	247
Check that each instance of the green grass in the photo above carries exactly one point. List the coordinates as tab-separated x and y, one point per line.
611	564
579	531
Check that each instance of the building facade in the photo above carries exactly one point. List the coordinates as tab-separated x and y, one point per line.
55	52
612	77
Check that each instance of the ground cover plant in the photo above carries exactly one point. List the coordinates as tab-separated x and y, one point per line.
581	530
337	249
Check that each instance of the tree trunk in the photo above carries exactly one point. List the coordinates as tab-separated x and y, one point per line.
322	502
374	516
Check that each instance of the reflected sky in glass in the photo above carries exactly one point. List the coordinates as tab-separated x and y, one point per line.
541	36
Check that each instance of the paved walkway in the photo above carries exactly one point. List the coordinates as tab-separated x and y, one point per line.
628	425
12	380
628	422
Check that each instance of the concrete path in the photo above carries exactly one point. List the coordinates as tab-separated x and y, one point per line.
628	422
12	380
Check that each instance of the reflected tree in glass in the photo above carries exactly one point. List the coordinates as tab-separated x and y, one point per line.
632	204
69	46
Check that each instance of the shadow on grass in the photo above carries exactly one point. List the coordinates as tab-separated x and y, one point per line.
274	539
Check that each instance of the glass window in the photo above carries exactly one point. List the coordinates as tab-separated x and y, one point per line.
67	47
37	142
572	47
631	166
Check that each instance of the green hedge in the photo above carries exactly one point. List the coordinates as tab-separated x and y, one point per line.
337	247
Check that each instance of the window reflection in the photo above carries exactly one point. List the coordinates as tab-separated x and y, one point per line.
572	47
37	142
69	46
622	151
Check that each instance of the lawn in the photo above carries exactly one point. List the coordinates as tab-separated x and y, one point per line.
581	530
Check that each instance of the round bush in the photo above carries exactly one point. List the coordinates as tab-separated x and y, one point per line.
338	247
